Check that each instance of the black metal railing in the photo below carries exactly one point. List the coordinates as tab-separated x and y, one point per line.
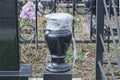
49	6
105	57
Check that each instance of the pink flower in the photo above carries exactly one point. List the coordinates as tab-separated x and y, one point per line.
28	11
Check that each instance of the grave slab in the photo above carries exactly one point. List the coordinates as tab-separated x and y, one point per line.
57	76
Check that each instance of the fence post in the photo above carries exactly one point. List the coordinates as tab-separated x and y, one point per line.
100	28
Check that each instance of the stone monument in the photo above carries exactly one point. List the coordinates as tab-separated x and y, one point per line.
10	67
58	35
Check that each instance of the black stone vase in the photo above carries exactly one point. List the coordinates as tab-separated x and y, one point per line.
58	42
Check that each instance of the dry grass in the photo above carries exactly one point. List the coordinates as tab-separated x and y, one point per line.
84	66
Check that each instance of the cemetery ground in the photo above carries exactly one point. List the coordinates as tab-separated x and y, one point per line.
83	67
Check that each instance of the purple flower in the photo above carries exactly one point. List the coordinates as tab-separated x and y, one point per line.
28	11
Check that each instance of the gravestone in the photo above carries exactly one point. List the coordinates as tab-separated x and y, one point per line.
10	68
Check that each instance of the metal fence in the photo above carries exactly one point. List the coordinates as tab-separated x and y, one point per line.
74	7
105	57
103	29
